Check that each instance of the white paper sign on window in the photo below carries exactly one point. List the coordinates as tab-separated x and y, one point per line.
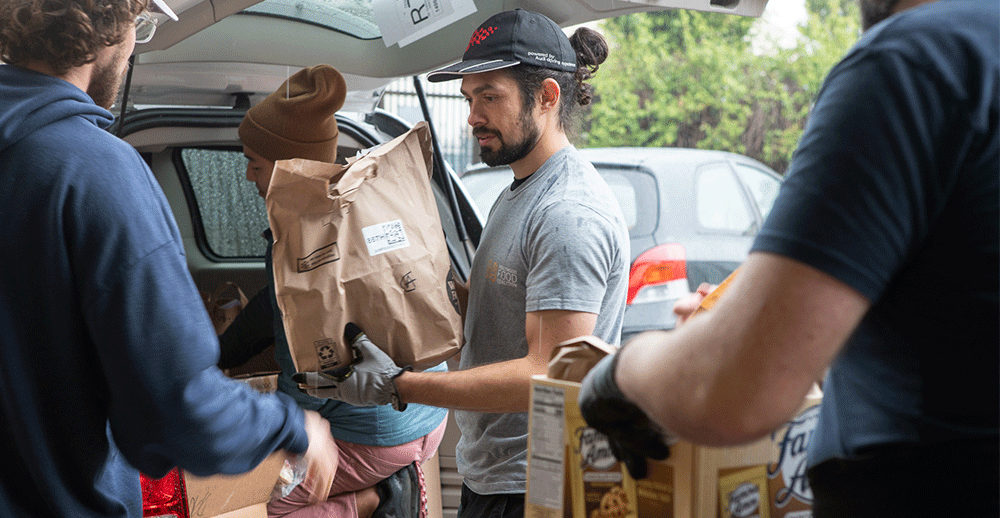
405	21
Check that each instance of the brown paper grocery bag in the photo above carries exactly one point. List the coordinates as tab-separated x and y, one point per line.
223	305
363	243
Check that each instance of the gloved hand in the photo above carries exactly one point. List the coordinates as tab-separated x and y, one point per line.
632	435
369	381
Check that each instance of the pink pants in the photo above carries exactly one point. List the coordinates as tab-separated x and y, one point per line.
358	467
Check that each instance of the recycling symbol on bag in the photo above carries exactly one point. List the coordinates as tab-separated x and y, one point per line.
326	352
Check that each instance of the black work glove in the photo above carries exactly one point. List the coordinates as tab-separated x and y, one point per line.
632	435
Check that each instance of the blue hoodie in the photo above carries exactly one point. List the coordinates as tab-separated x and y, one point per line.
108	356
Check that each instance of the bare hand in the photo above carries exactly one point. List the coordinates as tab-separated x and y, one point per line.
686	306
322	458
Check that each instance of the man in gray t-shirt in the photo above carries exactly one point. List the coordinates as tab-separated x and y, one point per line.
552	263
555	242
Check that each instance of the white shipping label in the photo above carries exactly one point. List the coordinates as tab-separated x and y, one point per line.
546	471
385	237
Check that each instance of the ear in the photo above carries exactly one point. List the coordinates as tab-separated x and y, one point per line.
549	95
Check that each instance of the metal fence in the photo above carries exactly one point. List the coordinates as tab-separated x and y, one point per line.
449	115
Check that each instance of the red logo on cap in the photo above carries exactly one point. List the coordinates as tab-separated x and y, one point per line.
479	36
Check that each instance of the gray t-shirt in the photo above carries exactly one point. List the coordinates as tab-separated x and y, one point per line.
557	241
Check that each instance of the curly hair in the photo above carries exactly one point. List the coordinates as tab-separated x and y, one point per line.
591	50
63	33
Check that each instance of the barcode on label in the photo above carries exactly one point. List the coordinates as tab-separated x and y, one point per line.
385	237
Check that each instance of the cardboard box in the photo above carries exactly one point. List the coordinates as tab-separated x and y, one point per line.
573	474
233	496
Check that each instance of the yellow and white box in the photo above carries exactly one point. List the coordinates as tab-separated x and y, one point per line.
573	474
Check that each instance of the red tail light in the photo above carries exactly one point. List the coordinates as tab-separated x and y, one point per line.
164	496
656	272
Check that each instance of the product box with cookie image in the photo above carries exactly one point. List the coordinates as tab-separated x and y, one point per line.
571	469
573	474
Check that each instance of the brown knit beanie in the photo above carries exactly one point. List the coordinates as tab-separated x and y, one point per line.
297	121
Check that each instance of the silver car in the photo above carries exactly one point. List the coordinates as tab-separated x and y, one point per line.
692	216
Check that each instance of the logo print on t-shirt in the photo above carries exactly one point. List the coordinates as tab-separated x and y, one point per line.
501	274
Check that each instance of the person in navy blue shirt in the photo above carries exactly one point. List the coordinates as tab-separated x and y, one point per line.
107	358
878	268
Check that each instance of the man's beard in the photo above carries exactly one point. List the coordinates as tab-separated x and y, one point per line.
874	11
508	154
106	81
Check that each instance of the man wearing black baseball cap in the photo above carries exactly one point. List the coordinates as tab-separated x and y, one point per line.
552	263
513	38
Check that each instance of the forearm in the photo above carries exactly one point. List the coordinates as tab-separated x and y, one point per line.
498	387
698	390
740	370
173	407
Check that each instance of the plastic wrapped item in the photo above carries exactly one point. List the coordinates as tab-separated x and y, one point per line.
291	475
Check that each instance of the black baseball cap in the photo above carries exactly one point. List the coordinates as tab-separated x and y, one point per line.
512	38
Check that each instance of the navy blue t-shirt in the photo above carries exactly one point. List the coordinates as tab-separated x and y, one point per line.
894	191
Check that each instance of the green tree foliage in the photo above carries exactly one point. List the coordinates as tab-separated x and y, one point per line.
693	79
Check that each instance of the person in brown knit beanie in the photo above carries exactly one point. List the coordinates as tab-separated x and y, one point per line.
378	449
298	120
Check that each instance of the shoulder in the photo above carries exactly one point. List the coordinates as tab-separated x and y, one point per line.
942	58
105	187
75	143
958	19
581	194
945	39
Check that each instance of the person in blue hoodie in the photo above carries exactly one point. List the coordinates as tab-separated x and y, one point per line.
108	357
379	450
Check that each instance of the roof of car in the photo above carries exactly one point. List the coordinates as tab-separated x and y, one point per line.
644	155
218	48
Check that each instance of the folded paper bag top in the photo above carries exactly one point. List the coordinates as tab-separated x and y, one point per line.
573	359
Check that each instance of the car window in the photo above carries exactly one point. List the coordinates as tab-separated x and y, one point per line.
354	17
486	186
762	186
232	213
719	200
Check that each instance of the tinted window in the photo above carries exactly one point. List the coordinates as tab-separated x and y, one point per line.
719	200
354	17
233	215
762	186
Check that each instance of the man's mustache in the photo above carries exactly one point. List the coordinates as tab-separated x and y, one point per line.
481	132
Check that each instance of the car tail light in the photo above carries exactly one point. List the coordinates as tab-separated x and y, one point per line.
659	273
164	496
